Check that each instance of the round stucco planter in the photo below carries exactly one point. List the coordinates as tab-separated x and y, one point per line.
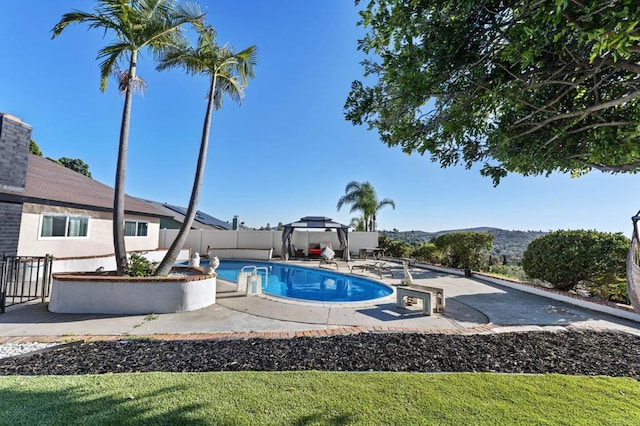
77	293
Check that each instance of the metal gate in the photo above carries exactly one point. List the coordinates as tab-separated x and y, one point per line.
23	279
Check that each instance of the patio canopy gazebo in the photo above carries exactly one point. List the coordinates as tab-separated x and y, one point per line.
317	222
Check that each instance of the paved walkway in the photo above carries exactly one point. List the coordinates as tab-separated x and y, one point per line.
472	306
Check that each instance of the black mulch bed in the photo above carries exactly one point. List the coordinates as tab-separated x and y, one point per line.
569	352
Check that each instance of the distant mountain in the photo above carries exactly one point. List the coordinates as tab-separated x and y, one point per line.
505	243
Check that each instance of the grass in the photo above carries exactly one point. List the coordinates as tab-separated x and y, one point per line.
319	398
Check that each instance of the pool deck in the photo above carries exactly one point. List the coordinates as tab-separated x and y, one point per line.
472	306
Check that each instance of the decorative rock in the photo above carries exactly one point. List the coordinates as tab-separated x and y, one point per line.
534	352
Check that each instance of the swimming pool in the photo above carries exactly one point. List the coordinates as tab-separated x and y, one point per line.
298	282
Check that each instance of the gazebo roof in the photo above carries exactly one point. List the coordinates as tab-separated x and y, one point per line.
315	222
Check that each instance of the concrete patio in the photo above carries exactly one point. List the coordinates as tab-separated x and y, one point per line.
472	306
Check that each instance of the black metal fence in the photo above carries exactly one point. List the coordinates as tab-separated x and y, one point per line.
23	279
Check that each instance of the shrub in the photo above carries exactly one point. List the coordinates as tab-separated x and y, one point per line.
140	266
510	271
568	258
428	252
464	249
394	248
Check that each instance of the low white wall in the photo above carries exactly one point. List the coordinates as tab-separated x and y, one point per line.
108	263
256	254
256	239
130	297
199	240
358	240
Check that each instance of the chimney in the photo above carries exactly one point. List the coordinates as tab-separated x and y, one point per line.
15	138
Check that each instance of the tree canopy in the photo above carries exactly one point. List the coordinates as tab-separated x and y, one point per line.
76	165
514	86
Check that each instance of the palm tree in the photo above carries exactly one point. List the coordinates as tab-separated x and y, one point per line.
357	223
362	197
228	73
137	24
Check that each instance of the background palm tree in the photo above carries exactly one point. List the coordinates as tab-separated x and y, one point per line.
357	223
136	24
228	73
362	197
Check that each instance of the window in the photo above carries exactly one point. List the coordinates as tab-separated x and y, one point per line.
64	226
133	228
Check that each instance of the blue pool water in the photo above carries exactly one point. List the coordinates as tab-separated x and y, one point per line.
298	282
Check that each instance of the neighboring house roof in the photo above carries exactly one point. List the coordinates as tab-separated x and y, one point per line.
202	220
50	183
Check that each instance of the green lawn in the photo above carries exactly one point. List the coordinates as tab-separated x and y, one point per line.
319	398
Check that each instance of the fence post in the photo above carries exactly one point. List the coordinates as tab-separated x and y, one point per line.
46	276
3	286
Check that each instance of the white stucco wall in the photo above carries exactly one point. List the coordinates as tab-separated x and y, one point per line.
134	297
198	240
99	240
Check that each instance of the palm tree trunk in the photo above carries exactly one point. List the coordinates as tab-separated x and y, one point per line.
118	199
172	254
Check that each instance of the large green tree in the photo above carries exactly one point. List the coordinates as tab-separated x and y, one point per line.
136	25
568	258
464	250
362	197
228	74
522	86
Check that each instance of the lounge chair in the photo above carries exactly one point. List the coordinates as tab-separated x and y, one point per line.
376	267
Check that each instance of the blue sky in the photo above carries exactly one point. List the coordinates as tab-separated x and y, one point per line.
287	152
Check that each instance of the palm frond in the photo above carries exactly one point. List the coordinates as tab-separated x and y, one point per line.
155	24
77	17
110	56
230	87
351	186
229	71
386	202
192	11
246	60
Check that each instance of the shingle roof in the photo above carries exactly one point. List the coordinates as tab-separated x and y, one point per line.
53	184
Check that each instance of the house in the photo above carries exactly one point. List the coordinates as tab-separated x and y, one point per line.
46	208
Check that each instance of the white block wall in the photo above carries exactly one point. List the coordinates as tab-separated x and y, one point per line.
198	240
